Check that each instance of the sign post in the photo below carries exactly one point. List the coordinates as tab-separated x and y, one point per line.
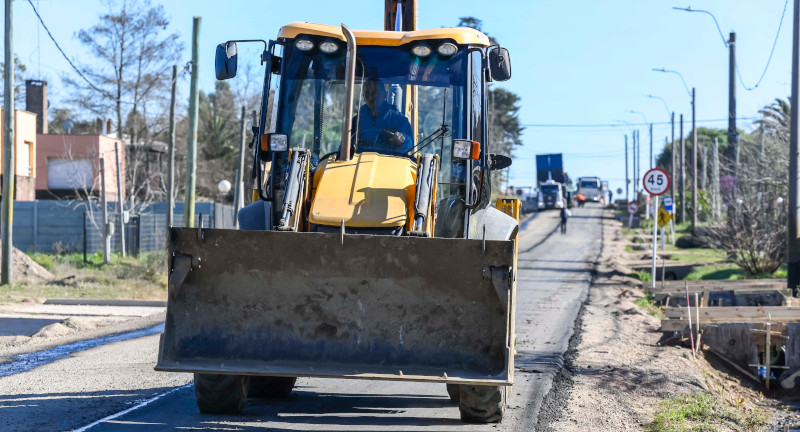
632	209
656	183
670	207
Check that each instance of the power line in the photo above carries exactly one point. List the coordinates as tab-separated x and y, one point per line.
78	71
769	59
104	93
618	125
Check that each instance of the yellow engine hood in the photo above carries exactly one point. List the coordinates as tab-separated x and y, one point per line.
370	191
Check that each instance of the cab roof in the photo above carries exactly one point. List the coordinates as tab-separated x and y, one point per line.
461	35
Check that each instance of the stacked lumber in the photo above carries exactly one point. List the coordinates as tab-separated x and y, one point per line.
675	318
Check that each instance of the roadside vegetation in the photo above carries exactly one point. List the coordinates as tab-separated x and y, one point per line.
703	412
650	307
143	277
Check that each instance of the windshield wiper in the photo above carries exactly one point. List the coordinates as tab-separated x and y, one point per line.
442	132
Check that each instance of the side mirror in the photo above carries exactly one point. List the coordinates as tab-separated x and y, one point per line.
499	64
225	60
498	162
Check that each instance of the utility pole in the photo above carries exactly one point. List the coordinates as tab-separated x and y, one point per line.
716	207
238	192
674	160
682	185
119	202
704	176
694	164
627	179
8	148
793	265
171	161
652	162
191	154
106	226
733	136
635	170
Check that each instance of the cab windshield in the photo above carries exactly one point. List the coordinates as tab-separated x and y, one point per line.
590	184
402	104
550	189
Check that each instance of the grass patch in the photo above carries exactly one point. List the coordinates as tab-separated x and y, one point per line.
700	255
716	272
143	277
649	306
643	276
703	412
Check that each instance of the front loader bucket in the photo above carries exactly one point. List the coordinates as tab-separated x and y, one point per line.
351	306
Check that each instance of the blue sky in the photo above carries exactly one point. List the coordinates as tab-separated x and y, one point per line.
576	62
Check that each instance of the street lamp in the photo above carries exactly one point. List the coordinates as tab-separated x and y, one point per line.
224	187
666	107
671	115
692	94
733	135
627	179
689	9
676	73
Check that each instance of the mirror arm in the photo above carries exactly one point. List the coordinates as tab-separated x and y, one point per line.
266	50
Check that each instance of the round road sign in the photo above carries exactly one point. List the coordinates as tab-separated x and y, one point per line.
632	208
656	181
619	191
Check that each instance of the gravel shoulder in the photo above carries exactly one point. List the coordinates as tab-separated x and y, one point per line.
617	375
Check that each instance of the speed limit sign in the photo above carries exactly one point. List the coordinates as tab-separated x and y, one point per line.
656	181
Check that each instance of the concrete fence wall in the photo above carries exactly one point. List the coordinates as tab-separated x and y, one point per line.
71	226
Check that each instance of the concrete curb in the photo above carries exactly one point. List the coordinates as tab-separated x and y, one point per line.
106	302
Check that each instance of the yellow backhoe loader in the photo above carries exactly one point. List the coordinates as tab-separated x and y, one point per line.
371	250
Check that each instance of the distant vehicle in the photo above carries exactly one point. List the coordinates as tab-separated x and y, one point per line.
591	188
552	195
553	181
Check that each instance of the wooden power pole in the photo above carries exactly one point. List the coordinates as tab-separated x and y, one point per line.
8	148
191	154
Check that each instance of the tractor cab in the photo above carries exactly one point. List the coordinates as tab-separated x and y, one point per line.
413	93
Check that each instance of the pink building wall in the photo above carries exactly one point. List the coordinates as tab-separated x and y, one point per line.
81	147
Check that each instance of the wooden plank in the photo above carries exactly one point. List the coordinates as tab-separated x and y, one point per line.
751	288
714	285
762	313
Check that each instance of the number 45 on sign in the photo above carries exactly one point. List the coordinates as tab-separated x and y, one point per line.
656	181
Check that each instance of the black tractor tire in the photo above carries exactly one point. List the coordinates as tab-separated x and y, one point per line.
482	404
454	390
271	386
221	394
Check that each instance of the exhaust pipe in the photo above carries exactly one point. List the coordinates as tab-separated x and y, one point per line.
349	86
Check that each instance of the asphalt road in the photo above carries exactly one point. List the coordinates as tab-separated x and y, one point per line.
114	388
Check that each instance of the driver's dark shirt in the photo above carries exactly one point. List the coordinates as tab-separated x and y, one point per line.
388	118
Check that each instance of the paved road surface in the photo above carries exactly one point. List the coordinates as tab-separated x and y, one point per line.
117	380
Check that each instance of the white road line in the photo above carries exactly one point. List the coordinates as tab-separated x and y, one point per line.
133	408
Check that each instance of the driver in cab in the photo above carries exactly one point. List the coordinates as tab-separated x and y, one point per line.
381	127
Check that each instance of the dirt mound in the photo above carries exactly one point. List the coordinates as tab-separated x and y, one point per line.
26	268
66	327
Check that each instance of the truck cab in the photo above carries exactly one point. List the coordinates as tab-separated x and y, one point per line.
552	195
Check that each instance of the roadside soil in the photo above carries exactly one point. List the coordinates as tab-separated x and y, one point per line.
617	374
73	329
25	268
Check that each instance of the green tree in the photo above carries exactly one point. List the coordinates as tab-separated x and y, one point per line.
19	81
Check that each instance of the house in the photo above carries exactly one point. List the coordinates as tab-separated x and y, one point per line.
24	154
69	166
